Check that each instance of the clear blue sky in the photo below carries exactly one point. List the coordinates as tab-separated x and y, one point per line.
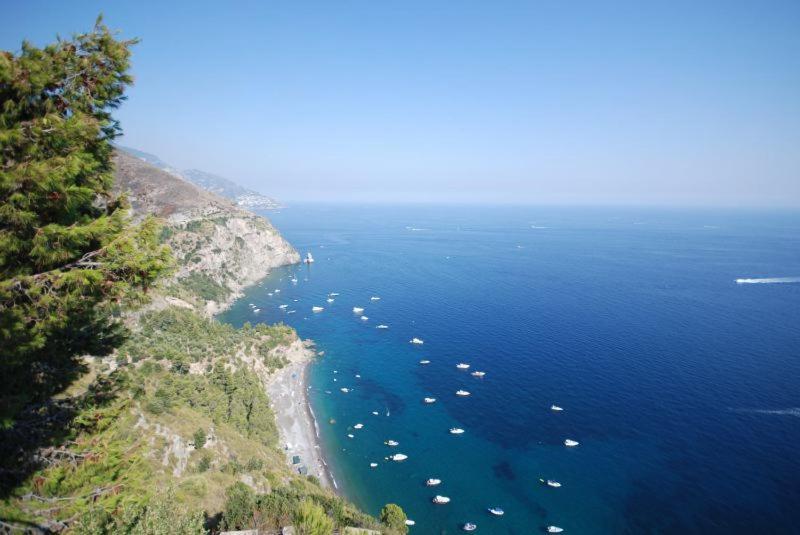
528	102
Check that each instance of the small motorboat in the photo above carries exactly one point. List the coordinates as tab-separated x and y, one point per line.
424	362
364	318
345	390
374	298
382	326
332	294
330	300
551	483
429	400
440	500
308	259
292	312
469	526
283	306
317	309
409	522
554	529
392	443
496	511
462	366
432	482
462	393
556	408
277	291
571	443
373	465
417	341
456	431
357	310
358	426
398	457
350	435
478	374
375	413
294	281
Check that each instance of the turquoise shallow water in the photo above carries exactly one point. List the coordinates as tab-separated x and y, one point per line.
681	385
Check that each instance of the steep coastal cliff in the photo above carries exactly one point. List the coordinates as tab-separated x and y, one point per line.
220	247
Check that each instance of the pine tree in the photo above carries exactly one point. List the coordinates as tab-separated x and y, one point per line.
69	257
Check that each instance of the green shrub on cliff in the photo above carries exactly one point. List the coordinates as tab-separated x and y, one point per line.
311	519
394	518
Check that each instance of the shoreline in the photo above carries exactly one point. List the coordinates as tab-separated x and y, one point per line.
296	422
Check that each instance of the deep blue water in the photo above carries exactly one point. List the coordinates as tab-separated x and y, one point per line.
682	386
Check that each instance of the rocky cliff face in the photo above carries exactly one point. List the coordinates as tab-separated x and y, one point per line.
219	247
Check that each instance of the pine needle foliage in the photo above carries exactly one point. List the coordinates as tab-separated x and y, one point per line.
68	256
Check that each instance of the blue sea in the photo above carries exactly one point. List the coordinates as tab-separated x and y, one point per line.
682	386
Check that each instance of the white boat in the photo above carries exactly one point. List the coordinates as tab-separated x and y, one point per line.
462	366
251	305
554	529
469	526
283	306
292	312
256	310
373	465
392	443
375	413
358	426
456	431
382	326
332	294
424	362
440	500
364	318
270	294
398	457
555	408
358	376
551	483
432	482
345	390
462	393
374	298
317	309
357	310
571	443
308	259
350	435
277	291
330	300
496	511
478	374
409	522
294	280
429	400
417	341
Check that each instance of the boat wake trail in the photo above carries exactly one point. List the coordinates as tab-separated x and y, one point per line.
771	280
792	411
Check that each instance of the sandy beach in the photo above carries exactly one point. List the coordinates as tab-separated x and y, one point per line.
296	424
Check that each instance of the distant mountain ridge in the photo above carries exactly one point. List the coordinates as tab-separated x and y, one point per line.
224	187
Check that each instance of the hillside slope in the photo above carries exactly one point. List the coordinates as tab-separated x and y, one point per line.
221	248
224	187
